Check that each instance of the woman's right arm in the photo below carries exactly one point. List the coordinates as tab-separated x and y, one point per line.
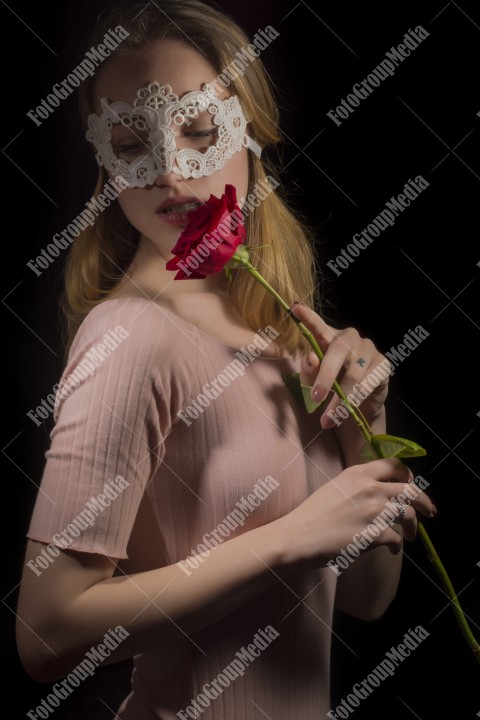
68	608
76	600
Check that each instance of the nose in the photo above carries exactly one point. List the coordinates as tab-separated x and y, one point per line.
168	180
165	151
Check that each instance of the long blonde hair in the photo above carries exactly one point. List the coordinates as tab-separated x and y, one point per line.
101	254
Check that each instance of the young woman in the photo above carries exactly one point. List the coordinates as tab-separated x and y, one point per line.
194	535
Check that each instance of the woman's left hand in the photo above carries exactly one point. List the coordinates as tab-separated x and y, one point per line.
349	359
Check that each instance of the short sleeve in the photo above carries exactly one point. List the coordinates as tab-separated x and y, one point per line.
113	413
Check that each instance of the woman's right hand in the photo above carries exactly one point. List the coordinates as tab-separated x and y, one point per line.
323	525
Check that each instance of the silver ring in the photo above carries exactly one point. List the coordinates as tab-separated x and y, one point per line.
400	516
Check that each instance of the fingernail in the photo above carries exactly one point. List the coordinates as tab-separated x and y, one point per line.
297	302
318	393
434	510
326	422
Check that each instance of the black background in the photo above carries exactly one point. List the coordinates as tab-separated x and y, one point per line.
423	271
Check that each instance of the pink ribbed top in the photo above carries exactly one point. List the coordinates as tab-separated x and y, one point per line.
122	420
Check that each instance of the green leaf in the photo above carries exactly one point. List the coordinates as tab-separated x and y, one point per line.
301	393
388	446
310	405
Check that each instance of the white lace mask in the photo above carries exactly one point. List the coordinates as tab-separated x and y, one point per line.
193	136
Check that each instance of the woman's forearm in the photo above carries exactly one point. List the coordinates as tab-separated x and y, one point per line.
351	440
368	586
56	629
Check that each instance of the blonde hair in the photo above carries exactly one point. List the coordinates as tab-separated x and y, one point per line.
101	254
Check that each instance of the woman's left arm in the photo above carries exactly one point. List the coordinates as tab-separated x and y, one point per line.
368	586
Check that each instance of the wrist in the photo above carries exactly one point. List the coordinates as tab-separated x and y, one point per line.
378	423
278	544
294	542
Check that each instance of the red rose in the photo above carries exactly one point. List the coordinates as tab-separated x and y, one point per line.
212	235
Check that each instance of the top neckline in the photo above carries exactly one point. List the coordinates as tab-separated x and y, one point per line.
191	326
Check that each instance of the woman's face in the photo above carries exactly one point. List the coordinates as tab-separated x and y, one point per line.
174	63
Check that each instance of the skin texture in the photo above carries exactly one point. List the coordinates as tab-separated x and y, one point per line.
66	610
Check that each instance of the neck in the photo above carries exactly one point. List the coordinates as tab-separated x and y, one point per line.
148	273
